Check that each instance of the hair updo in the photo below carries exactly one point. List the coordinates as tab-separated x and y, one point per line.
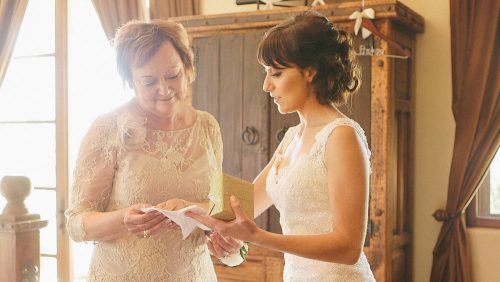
310	40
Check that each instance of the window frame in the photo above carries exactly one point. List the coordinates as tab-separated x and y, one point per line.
62	151
60	123
478	214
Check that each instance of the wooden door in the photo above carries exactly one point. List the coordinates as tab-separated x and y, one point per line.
401	192
229	86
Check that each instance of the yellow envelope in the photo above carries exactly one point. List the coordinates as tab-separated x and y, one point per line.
222	189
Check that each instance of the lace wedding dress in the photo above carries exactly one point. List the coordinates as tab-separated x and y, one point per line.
299	192
122	163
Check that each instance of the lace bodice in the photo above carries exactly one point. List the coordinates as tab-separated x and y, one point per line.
305	181
121	163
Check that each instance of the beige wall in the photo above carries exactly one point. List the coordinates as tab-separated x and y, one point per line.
485	249
435	129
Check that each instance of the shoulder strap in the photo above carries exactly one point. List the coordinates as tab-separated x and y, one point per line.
323	134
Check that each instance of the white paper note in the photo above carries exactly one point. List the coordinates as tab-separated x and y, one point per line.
186	224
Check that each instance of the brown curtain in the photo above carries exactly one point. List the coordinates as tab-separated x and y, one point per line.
11	17
163	9
115	13
476	88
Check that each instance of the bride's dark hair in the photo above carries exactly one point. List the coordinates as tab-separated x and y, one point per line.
310	40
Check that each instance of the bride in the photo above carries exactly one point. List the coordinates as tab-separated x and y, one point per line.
318	178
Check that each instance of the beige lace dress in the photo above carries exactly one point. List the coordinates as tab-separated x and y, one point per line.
122	163
300	193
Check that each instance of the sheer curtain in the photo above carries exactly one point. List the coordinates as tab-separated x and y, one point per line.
115	13
11	17
476	87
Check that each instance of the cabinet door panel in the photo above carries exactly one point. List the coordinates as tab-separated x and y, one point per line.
255	115
231	101
206	86
255	109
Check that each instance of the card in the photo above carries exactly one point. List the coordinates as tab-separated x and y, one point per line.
225	187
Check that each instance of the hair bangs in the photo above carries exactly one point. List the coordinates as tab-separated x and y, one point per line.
148	45
272	50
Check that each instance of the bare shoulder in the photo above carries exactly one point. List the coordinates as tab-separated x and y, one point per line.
344	136
345	146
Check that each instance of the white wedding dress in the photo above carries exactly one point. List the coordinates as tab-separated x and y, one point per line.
299	192
122	163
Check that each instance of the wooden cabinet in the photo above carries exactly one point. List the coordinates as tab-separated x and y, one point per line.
229	85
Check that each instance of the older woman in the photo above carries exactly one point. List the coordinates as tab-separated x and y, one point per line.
155	149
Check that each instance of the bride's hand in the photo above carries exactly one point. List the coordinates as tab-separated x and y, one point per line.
221	246
241	227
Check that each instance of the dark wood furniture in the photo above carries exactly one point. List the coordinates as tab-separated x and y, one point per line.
229	85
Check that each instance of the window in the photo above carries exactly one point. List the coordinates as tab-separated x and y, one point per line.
94	88
484	210
47	101
28	122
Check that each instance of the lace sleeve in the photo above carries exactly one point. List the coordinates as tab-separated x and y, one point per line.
216	139
93	175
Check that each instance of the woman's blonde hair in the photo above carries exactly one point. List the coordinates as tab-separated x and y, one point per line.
137	42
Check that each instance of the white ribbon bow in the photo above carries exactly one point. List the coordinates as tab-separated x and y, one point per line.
318	2
358	16
269	4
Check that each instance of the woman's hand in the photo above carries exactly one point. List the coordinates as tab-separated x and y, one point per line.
241	228
141	224
172	204
221	246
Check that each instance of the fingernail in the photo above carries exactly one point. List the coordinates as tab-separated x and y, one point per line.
232	198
